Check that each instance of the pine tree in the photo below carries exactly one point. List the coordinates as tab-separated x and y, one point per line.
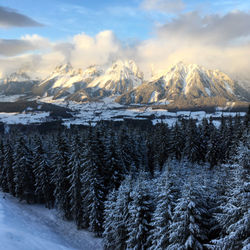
140	213
213	151
121	214
43	175
161	145
177	142
3	170
126	148
163	213
109	224
192	144
235	216
187	229
115	169
93	189
76	169
23	172
60	176
8	166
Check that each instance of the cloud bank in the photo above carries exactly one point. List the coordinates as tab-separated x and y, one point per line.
214	41
11	18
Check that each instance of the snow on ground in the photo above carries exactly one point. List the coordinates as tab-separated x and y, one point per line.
33	227
228	88
23	118
107	109
12	98
154	96
208	91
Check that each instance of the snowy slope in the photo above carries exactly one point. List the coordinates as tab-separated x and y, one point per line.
186	81
33	227
19	76
122	76
66	80
17	83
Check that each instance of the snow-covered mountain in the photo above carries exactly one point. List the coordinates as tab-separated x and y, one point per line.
93	82
124	80
17	83
66	80
19	76
121	77
187	81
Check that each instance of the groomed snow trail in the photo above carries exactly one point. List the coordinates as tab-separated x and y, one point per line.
33	227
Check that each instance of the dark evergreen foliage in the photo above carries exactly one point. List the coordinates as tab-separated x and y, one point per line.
179	187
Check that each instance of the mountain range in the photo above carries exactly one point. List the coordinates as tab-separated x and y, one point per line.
125	81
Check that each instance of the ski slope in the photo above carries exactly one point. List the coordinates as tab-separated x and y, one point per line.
33	227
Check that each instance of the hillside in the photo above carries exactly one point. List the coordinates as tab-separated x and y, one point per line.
34	227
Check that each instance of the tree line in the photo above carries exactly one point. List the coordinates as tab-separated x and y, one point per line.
181	187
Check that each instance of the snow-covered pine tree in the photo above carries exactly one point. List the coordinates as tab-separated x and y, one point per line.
60	163
109	224
177	142
159	237
93	189
114	166
192	144
76	169
187	230
126	148
235	216
8	166
161	144
205	131
121	214
213	151
23	172
140	213
229	140
43	174
3	170
142	155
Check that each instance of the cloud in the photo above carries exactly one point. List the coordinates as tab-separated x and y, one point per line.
11	18
168	6
89	50
13	47
213	41
210	29
82	51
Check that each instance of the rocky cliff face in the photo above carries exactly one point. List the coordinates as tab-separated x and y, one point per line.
124	80
186	81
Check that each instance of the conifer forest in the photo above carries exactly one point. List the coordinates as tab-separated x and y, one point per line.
155	187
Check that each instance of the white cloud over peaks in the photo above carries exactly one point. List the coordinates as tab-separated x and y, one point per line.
164	5
81	51
13	47
89	50
209	29
214	41
37	41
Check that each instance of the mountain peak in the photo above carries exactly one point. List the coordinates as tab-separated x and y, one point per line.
64	68
121	76
125	67
187	81
19	76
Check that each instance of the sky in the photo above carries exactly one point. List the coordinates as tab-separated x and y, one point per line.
39	35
